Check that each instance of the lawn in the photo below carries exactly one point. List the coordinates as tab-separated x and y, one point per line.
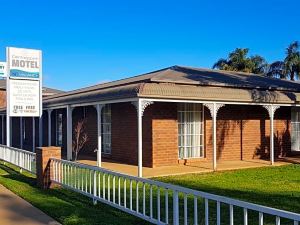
277	187
67	207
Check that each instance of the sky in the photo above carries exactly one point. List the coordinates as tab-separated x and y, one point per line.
90	42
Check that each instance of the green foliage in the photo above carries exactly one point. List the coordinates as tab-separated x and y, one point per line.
276	187
67	207
238	60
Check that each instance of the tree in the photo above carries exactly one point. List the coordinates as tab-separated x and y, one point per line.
276	70
239	61
80	138
289	67
292	61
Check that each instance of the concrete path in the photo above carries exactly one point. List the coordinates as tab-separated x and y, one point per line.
180	169
16	211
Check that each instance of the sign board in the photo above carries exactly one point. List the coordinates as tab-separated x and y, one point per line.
24	98
2	69
24	84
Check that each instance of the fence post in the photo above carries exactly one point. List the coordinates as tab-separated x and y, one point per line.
44	172
175	208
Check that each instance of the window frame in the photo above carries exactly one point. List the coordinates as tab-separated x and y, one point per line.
188	111
106	133
59	129
295	128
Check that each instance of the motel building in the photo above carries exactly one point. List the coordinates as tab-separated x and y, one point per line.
177	119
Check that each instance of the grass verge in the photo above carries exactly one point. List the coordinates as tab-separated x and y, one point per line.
67	207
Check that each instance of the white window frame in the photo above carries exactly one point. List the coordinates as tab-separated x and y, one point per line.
59	131
106	129
186	112
295	129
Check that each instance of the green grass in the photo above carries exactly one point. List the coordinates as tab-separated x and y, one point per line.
65	206
277	187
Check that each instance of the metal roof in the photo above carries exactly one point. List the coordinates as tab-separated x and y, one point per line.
180	82
206	93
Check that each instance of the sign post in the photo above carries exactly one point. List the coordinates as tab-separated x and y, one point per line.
23	85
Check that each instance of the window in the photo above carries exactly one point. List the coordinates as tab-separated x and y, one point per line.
295	124
190	131
106	129
59	129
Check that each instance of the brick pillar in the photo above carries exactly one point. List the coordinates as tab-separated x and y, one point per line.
43	165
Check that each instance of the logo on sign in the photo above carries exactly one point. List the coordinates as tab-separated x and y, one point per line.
24	64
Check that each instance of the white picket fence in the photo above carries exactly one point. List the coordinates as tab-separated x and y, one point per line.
162	203
21	158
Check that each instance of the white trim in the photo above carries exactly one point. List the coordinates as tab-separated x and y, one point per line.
214	108
41	130
69	132
2	129
271	111
8	121
49	127
217	102
140	137
99	150
33	134
93	103
21	132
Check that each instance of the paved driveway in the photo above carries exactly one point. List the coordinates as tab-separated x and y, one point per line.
16	211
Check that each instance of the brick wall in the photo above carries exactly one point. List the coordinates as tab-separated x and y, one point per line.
124	134
2	98
165	134
243	132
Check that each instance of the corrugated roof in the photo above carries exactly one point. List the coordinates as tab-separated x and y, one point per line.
206	93
187	83
126	91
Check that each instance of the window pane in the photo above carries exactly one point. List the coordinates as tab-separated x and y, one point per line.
190	130
295	127
106	129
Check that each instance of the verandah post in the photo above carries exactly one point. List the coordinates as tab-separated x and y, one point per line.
21	132
33	134
99	122
49	127
69	132
140	140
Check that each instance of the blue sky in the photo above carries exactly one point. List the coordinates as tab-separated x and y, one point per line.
88	42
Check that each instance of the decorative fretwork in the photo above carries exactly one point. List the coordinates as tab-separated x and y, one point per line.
271	109
213	108
143	104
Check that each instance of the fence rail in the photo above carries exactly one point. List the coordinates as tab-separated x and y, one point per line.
21	158
162	203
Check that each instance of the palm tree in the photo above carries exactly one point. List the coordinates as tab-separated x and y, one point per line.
292	60
239	61
259	64
289	67
276	70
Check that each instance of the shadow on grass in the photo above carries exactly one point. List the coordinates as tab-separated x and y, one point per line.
65	206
